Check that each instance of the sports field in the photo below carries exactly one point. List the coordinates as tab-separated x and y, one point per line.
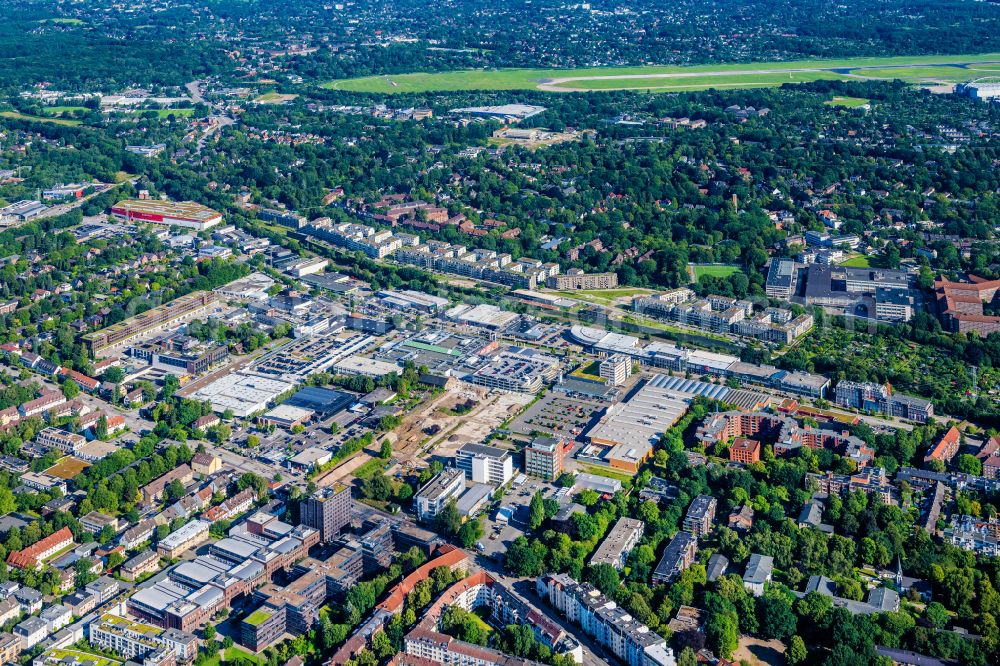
917	69
847	102
712	270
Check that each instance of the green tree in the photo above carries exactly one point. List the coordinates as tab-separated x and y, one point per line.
386	450
969	464
448	521
796	652
722	634
536	511
605	578
70	389
471	532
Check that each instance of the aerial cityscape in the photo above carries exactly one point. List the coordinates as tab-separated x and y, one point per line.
525	333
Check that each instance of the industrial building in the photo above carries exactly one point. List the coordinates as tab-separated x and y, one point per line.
628	430
244	394
413	300
187	214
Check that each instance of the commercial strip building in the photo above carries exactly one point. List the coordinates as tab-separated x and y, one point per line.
447	485
151	320
600	618
679	359
187	214
621	539
869	396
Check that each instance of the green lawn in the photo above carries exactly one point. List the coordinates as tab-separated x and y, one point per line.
165	113
591	372
81	656
910	73
230	655
848	102
713	270
38	119
370	468
59	110
257	617
606	472
672	78
602	295
860	261
63	21
272	97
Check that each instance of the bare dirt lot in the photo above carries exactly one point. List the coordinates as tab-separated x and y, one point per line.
758	652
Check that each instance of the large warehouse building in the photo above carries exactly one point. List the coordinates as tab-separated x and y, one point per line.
187	214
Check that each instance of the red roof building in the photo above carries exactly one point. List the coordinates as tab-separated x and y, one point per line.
946	447
30	557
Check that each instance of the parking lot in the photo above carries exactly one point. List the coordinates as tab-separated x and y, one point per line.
498	534
558	415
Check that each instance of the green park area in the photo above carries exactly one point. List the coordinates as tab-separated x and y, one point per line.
668	78
38	119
